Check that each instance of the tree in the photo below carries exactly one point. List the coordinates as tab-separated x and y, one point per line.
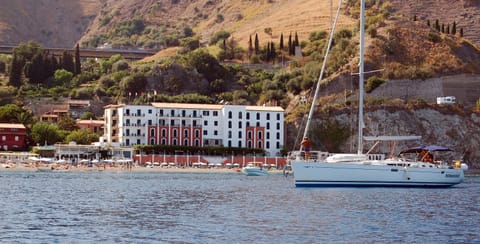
46	133
257	44
461	32
87	115
78	66
454	28
296	43
62	77
250	46
82	136
67	123
10	113
290	44
281	42
15	71
67	62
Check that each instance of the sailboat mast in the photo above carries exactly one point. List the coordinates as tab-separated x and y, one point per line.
317	89
360	80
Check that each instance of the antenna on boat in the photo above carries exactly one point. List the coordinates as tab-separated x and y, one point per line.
317	89
360	76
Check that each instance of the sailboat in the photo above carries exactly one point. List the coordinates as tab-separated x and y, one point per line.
323	169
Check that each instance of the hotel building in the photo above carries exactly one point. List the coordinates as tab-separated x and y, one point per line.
196	125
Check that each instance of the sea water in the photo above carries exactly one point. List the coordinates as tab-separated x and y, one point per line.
132	207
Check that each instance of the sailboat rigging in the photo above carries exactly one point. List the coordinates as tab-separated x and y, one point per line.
341	169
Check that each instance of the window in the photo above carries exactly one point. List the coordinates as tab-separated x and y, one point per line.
197	133
278	126
152	141
152	132
215	123
229	114
161	112
127	132
149	111
127	142
174	142
127	122
259	144
268	116
268	135
138	141
127	112
185	142
215	113
258	124
278	145
183	113
229	134
278	135
239	144
239	124
149	122
229	124
205	132
172	112
249	135
239	115
215	132
16	138
183	122
249	144
258	116
172	122
174	132
205	123
164	132
229	143
259	135
164	141
194	123
248	115
267	145
239	134
248	124
206	113
139	112
268	125
138	132
278	116
185	133
195	113
197	143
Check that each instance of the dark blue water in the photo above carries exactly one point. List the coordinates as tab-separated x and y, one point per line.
128	207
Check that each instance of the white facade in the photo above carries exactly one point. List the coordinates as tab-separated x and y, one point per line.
196	125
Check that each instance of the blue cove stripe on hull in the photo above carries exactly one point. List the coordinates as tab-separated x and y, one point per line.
370	184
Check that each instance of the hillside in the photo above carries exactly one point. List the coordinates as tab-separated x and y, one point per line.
63	23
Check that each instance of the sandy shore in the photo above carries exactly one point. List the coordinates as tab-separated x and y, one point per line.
64	168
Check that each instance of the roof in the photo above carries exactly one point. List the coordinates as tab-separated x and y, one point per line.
265	108
89	121
12	126
188	106
430	148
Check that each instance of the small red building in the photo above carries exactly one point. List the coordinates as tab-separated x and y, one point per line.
12	136
94	126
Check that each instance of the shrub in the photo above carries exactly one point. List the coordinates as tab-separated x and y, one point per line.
372	83
433	37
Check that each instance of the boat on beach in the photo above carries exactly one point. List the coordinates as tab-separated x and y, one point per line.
253	170
322	169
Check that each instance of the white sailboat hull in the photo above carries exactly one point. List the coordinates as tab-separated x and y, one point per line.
357	174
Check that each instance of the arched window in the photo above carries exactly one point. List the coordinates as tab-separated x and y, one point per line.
185	142
185	133
259	144
164	133
152	141
174	132
152	132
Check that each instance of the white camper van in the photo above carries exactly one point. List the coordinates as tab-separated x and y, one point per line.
446	100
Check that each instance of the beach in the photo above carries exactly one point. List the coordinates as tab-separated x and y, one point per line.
119	168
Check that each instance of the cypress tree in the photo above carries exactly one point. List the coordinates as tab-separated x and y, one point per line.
15	72
428	23
296	43
454	28
250	46
267	52
67	62
281	41
273	54
448	29
78	64
437	25
443	28
290	44
257	43
461	32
